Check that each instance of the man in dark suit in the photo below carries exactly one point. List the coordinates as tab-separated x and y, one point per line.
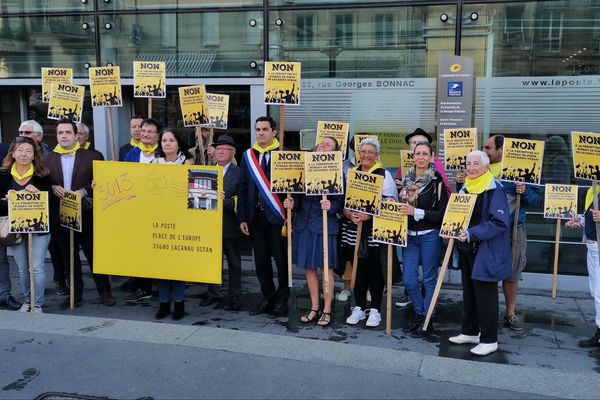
135	129
224	153
71	169
261	217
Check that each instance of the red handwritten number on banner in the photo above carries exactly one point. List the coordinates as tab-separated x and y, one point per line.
115	191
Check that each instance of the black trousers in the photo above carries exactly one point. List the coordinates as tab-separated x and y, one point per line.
61	273
480	301
369	277
267	243
231	250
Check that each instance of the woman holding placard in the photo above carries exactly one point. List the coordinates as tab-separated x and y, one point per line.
485	256
424	200
308	241
23	169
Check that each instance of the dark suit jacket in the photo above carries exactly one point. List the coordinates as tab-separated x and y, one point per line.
3	151
309	215
124	150
82	176
230	183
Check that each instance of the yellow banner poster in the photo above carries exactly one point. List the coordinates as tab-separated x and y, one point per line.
457	215
324	173
359	137
181	242
391	143
149	79
70	211
407	160
363	192
522	160
458	143
390	227
334	129
66	101
105	87
28	212
218	110
193	105
586	155
560	201
287	171
58	75
282	83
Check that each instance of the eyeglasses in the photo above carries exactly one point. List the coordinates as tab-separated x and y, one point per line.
23	139
487	147
26	132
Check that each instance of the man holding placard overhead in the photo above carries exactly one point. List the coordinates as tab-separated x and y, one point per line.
261	216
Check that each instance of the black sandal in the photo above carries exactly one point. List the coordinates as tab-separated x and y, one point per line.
325	319
305	318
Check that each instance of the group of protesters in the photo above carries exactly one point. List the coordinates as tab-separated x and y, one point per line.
251	209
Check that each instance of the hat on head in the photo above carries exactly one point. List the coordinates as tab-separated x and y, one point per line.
421	132
224	140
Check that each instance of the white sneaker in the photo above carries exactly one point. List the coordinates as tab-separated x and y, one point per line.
368	296
357	315
344	295
403	301
37	310
374	318
483	349
464	339
25	308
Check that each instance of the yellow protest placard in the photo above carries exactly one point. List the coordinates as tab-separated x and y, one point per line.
334	129
458	143
324	173
149	79
586	155
390	226
193	105
105	86
218	110
522	160
181	242
70	211
407	160
363	192
287	171
560	201
457	215
359	137
66	101
282	83
50	75
390	144
28	212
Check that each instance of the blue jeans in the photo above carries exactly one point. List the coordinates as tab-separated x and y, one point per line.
165	287
424	250
39	247
5	284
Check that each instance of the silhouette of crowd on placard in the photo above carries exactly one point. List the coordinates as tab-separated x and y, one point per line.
275	95
588	171
559	212
329	186
453	228
30	224
59	112
288	185
361	205
394	236
526	175
456	162
70	221
149	90
218	122
107	99
196	118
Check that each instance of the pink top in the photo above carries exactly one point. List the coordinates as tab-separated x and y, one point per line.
439	167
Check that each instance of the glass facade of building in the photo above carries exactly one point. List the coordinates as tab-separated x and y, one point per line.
374	64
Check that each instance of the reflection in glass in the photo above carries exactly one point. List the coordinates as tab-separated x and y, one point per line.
173	4
25	6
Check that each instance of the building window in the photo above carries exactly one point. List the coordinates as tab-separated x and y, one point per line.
514	29
304	30
384	29
209	25
551	29
344	29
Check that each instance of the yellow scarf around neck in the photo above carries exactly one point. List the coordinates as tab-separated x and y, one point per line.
373	168
147	149
273	146
133	142
496	169
479	185
86	145
64	152
27	174
589	198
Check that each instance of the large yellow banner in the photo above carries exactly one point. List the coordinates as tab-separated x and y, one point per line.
50	75
363	192
218	110
457	215
158	221
66	101
324	173
105	87
287	171
522	160
407	160
193	105
336	130
390	226
586	155
70	211
560	201
458	143
282	83
28	212
149	79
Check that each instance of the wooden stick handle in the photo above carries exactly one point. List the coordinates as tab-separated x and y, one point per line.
515	227
356	248
72	268
556	248
438	285
211	139
325	250
281	126
111	134
200	148
149	107
289	243
31	274
388	303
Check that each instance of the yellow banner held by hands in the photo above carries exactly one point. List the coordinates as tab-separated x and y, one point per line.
50	75
105	86
282	83
458	143
522	160
287	172
218	110
390	226
28	212
193	105
149	79
70	211
586	155
458	215
324	173
363	192
66	101
335	129
560	201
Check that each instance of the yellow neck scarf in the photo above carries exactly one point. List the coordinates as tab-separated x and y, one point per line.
133	142
589	198
373	168
496	169
27	174
273	146
64	152
147	149
479	185
86	145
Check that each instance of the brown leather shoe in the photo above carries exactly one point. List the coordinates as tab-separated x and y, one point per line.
107	299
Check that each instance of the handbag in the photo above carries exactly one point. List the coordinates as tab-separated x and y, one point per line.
7	238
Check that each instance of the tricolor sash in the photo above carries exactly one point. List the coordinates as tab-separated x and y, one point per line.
263	184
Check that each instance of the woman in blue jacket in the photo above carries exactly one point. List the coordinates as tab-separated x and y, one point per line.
485	256
308	241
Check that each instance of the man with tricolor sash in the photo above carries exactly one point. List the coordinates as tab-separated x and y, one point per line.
261	216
